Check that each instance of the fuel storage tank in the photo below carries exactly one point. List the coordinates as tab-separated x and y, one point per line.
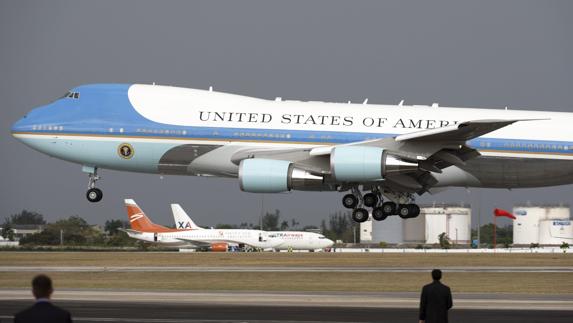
526	226
454	220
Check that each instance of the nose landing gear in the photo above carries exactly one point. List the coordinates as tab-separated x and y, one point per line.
93	194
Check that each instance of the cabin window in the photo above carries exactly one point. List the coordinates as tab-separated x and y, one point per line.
72	95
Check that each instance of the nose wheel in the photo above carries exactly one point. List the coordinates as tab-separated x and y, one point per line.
93	194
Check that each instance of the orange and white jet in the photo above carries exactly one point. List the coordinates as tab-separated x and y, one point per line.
215	239
283	240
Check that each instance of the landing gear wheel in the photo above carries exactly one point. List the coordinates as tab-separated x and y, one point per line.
407	211
389	208
94	195
415	210
350	201
360	215
378	214
370	200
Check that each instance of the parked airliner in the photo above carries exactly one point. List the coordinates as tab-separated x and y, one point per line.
283	240
370	151
217	240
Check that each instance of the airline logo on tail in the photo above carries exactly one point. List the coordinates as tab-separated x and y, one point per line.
135	217
182	225
182	220
140	222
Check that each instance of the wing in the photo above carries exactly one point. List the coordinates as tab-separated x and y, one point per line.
432	150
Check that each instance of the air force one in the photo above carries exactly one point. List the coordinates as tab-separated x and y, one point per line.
186	233
369	151
277	240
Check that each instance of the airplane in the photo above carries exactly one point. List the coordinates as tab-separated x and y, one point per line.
286	240
142	228
382	156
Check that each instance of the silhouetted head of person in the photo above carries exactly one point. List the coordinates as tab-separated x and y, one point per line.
436	274
42	286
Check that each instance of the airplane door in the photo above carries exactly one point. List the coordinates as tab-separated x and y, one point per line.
155	236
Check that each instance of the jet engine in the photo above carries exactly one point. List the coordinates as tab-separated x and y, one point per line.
363	163
258	175
219	247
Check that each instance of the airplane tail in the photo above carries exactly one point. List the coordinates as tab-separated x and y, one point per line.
139	221
182	220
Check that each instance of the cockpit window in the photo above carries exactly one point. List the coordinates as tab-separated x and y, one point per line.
72	95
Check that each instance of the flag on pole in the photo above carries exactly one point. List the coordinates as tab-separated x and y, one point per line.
500	212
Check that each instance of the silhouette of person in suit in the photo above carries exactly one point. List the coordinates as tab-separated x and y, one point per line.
43	311
435	301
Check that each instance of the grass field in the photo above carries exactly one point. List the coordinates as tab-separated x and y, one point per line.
279	259
526	283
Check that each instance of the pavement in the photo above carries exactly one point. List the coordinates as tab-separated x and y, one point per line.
282	269
124	311
405	300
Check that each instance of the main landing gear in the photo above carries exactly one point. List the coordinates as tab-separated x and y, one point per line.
380	209
93	194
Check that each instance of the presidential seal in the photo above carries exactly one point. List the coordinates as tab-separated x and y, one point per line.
125	151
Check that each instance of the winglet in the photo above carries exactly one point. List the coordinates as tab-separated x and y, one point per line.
182	220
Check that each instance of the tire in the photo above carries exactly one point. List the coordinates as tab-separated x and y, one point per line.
378	214
94	195
360	215
389	208
370	200
415	210
404	211
349	201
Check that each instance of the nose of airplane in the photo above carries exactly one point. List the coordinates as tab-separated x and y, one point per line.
328	243
22	125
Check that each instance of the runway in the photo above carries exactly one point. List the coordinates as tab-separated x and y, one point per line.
303	299
284	269
88	312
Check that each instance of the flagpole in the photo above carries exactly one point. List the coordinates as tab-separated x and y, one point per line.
494	228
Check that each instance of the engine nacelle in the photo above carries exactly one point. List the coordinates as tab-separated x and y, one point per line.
258	175
363	163
219	247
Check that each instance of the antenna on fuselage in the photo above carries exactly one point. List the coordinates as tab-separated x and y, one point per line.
365	101
210	89
435	105
401	103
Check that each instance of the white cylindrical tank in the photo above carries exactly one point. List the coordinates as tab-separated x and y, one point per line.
436	223
366	231
526	228
555	232
557	212
389	230
454	220
459	225
414	229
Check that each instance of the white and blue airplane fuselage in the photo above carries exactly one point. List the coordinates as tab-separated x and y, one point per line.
278	145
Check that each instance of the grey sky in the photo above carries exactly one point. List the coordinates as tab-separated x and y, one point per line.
486	54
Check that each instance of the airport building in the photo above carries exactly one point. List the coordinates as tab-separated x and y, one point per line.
542	224
434	219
